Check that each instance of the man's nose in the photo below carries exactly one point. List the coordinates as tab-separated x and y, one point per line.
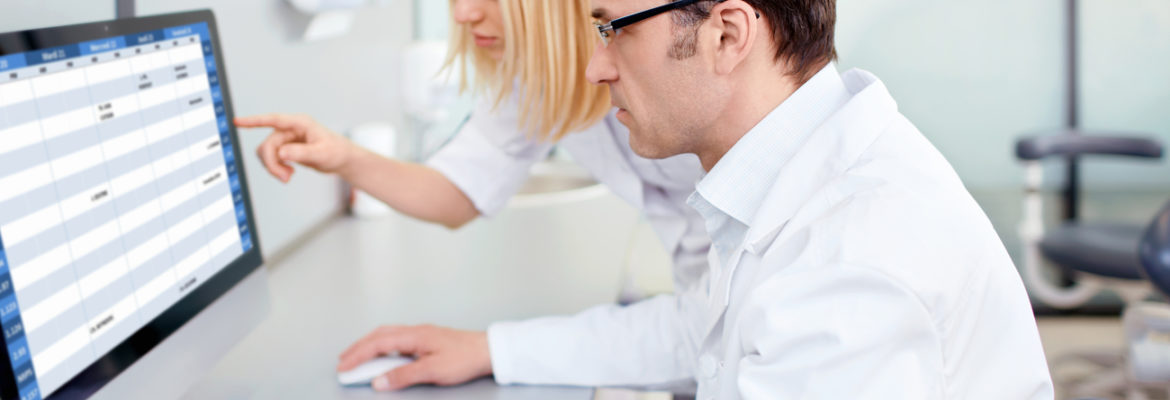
601	70
468	11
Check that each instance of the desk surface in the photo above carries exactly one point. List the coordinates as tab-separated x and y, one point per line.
358	274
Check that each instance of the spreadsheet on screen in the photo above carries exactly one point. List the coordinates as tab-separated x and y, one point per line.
119	194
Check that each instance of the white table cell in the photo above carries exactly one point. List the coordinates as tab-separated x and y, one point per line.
87	200
204	147
15	92
20	136
155	287
102	277
131	181
116	108
111	317
219	208
199	116
211	178
185	87
40	313
125	144
185	53
47	360
140	64
79	161
156	95
192	262
164	129
30	225
178	196
68	122
94	239
225	240
22	182
185	228
60	82
139	216
45	264
146	251
108	71
160	59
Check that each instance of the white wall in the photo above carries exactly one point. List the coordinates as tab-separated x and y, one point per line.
972	75
433	19
18	15
342	82
1125	82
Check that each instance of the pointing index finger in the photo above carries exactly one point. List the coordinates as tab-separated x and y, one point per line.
276	121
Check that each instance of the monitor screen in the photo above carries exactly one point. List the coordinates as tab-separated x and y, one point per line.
121	193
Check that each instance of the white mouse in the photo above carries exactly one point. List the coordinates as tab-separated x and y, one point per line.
363	374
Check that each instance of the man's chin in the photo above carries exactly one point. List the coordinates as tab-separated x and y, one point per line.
647	150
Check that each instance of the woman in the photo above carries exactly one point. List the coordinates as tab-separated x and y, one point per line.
529	57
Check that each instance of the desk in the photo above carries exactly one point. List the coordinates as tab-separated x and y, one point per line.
358	274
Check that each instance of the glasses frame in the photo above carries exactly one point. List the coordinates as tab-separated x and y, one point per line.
610	30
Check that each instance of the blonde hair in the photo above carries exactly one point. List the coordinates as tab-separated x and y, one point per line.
547	46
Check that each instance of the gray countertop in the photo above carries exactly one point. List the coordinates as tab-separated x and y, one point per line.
355	275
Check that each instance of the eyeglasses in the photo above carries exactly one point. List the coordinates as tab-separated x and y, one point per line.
608	31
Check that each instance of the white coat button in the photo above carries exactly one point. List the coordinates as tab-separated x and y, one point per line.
708	367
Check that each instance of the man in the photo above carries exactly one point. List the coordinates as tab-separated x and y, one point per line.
848	261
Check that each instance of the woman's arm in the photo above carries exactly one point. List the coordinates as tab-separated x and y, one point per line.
412	189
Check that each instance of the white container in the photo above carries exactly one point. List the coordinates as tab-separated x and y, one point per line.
1147	328
381	139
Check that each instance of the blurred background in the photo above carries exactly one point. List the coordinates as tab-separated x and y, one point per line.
974	76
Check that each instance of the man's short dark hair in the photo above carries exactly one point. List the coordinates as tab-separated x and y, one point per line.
801	29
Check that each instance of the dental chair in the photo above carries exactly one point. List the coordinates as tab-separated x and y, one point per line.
1096	255
1128	259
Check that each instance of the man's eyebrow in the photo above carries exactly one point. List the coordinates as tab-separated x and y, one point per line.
600	13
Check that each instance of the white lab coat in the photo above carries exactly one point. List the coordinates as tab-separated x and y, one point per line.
869	272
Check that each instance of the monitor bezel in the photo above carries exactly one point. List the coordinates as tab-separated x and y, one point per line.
121	357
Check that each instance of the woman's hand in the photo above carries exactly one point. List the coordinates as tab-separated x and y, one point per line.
298	139
443	356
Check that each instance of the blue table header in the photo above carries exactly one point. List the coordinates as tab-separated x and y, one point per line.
51	54
13	61
145	38
31	58
103	45
188	30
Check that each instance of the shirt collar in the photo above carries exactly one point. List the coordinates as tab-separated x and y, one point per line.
739	182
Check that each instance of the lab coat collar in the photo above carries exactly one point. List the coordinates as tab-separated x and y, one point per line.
808	179
738	183
804	181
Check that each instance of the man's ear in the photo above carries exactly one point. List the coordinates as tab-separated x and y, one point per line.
737	26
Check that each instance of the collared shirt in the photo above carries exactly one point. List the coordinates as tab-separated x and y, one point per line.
730	194
849	262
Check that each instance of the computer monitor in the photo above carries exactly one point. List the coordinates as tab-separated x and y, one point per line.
124	209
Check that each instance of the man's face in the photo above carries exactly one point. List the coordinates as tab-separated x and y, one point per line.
666	102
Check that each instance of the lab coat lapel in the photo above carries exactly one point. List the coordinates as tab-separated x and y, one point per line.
833	149
807	185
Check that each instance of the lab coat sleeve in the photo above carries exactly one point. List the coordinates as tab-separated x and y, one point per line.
648	343
489	158
838	332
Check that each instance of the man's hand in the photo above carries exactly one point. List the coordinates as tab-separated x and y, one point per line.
443	356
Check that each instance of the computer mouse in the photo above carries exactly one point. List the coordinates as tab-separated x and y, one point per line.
363	374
